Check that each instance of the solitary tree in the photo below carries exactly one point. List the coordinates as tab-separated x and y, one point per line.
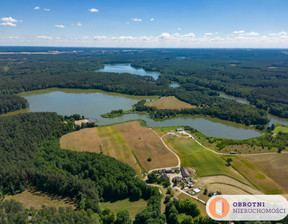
229	160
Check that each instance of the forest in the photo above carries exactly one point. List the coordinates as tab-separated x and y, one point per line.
260	76
31	157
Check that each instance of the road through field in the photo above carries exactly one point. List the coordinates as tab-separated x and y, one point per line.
220	153
161	138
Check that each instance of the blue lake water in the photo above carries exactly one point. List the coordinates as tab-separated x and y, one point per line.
93	104
127	68
174	85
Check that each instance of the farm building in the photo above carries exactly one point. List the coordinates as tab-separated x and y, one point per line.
196	190
179	129
177	179
168	170
175	170
164	176
184	172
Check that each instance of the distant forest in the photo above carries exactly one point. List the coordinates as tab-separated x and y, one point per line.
260	76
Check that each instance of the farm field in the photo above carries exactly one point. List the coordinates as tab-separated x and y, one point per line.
169	102
128	142
274	166
132	207
35	199
226	185
256	176
205	162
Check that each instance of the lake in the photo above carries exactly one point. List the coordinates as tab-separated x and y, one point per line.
174	85
273	119
127	68
93	103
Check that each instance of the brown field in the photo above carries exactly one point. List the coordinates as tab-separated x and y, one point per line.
36	199
255	176
226	185
127	142
169	102
274	166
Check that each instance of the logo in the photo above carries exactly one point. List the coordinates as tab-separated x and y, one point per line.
219	207
247	207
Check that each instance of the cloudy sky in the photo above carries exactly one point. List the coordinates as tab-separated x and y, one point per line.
145	23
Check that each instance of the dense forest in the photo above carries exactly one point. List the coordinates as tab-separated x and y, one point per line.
260	76
31	157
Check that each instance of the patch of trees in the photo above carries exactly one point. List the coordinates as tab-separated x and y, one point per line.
152	213
13	212
228	110
10	102
187	207
30	156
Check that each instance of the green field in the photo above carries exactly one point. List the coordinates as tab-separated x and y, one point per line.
205	162
281	127
132	207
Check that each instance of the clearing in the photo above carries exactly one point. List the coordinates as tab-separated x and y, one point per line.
280	128
132	207
36	199
128	142
274	166
169	102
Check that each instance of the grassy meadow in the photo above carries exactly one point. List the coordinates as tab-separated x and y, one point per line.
35	199
205	162
132	207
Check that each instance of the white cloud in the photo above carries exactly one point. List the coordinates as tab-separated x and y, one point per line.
165	36
282	33
79	24
37	8
208	34
13	37
7	24
136	20
190	35
165	39
60	26
251	34
93	10
44	37
47	10
9	19
239	32
152	19
179	28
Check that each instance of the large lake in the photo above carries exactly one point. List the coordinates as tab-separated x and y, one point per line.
92	104
127	68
